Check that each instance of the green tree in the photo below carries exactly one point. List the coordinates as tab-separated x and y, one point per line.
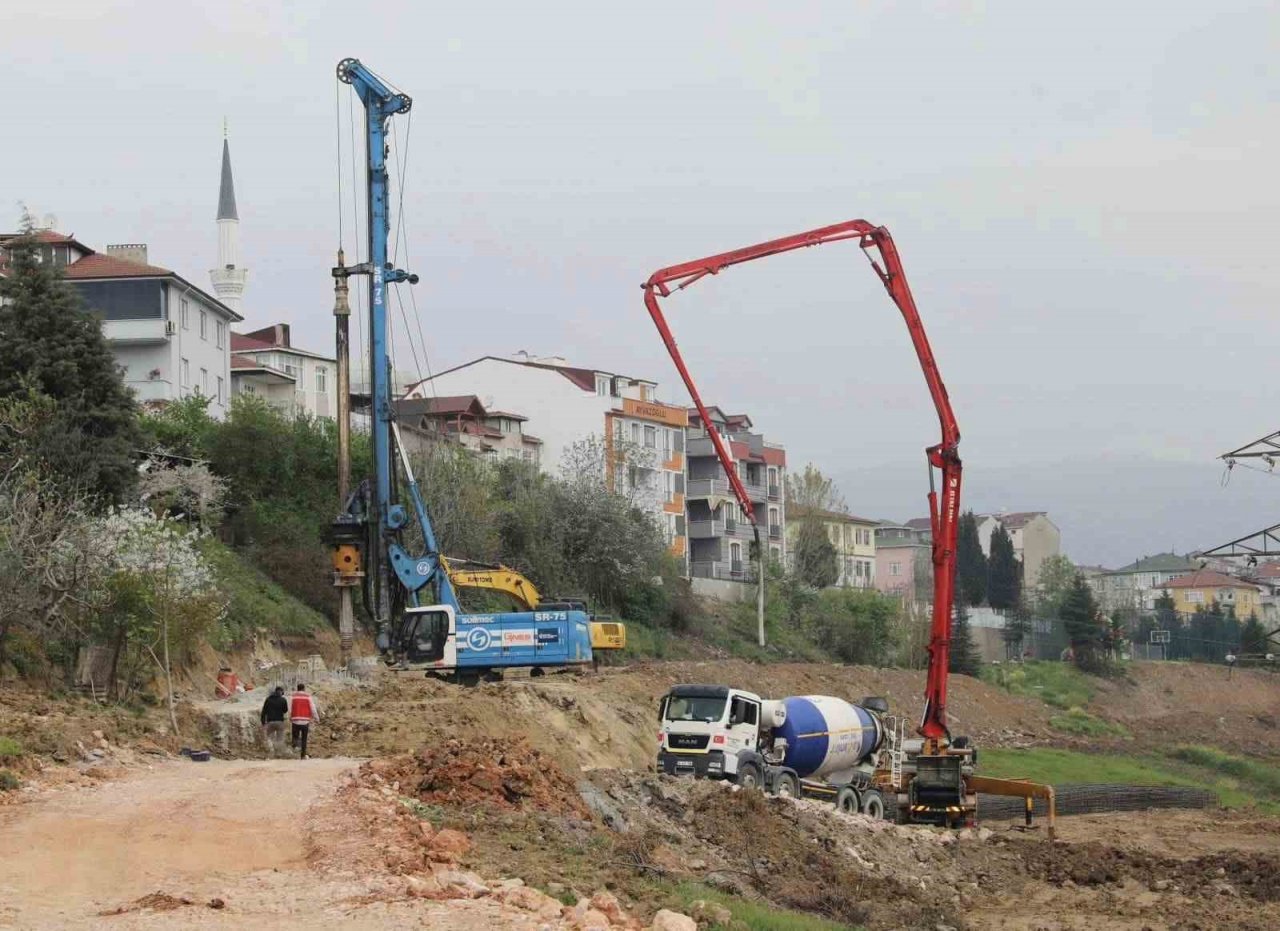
816	562
51	347
811	498
965	659
971	563
1004	588
1253	637
1017	627
1055	579
1085	628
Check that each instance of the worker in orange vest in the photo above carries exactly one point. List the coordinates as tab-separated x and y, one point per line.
303	709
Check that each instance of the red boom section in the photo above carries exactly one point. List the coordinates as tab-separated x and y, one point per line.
945	456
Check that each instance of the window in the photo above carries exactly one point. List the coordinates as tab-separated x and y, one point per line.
186	373
619	430
221	333
322	380
204	325
635	433
529	456
1195	597
602	385
248	389
650	438
291	369
775	552
895	568
222	395
204	382
184	311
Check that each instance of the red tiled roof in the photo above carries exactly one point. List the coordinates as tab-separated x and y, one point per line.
100	265
242	343
1206	578
507	414
244	362
919	523
446	406
530	438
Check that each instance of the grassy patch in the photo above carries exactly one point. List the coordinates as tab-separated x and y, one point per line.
1081	723
9	781
10	749
1058	684
1256	774
757	916
256	602
1046	764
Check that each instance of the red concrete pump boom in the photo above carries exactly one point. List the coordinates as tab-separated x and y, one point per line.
945	456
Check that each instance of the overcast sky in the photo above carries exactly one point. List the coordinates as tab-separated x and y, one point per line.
1083	195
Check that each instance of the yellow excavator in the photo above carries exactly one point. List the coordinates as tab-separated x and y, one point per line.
605	634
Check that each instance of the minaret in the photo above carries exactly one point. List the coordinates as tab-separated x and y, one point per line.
229	277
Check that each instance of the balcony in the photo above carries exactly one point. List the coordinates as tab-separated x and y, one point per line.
706	529
136	332
728	571
707	488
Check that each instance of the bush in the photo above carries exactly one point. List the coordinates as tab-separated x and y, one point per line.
1081	723
9	782
10	749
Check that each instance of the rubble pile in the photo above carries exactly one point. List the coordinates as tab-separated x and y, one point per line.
504	773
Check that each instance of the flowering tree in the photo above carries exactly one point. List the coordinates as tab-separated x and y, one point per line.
154	593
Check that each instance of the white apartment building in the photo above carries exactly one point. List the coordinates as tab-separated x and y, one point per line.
267	364
171	339
566	404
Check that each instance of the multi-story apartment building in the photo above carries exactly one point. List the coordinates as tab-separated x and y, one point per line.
1138	584
640	441
904	564
719	535
266	363
854	539
1035	539
170	338
463	420
1200	589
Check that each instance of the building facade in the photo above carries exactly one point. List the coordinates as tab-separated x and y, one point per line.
1198	590
904	562
854	540
295	380
720	534
639	441
170	338
1035	539
1137	585
463	421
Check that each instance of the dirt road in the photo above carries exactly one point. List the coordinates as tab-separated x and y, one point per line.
244	832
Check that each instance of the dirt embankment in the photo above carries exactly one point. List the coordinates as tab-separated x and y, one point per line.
588	721
1162	704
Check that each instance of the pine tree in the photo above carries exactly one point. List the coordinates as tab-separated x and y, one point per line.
1017	626
1004	574
971	563
50	347
964	652
817	563
1085	628
1253	637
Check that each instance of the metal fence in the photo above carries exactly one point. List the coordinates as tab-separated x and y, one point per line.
1098	798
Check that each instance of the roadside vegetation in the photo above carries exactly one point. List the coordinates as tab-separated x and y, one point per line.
1238	782
1060	685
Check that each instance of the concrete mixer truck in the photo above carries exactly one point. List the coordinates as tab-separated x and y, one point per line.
854	755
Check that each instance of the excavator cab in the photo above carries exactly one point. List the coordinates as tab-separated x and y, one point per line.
425	633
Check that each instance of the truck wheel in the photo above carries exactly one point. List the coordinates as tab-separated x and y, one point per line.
873	804
749	776
537	672
847	800
786	786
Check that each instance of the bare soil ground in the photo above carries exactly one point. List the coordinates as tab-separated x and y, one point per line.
548	779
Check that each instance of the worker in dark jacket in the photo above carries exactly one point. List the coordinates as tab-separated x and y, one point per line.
274	711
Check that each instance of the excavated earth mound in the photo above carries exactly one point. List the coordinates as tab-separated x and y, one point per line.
491	771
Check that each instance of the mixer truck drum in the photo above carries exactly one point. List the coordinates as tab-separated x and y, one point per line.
875	703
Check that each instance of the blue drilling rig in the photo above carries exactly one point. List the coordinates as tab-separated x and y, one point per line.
420	624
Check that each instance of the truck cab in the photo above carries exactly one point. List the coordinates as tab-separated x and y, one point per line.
709	731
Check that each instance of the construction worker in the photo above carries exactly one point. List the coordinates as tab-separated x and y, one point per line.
303	709
274	710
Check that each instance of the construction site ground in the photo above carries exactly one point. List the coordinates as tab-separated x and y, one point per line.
432	805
